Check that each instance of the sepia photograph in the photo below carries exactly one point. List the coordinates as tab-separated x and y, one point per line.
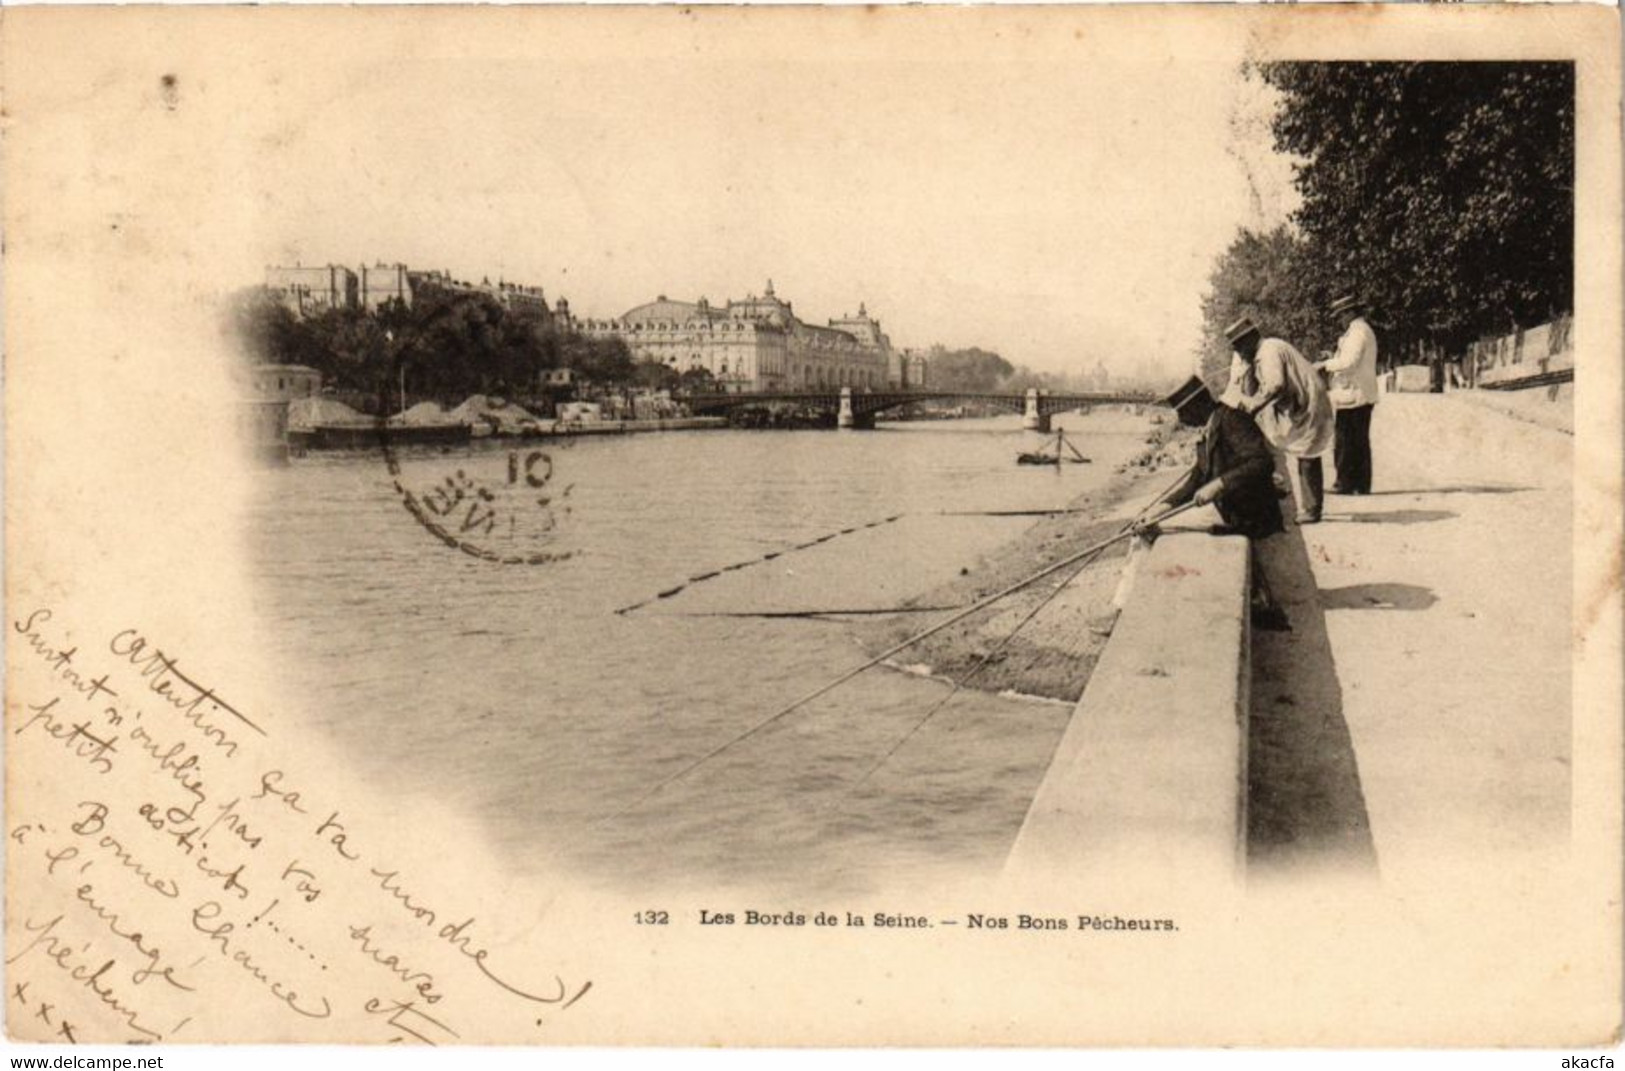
1001	526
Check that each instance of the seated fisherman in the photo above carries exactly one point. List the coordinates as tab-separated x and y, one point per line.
1234	468
1234	471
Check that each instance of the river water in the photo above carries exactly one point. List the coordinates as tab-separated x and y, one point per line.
524	700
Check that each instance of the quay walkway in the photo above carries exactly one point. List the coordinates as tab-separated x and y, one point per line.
1448	598
1416	720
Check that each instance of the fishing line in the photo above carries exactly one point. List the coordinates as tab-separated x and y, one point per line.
700	578
1010	512
866	611
982	662
981	604
986	658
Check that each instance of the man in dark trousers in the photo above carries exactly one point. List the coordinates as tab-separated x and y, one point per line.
1234	471
1234	467
1353	372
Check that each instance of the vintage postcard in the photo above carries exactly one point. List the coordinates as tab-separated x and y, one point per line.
1057	526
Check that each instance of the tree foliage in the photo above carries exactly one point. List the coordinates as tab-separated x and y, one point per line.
698	380
654	375
449	344
972	369
1441	192
1273	279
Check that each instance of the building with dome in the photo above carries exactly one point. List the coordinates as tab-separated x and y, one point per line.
754	344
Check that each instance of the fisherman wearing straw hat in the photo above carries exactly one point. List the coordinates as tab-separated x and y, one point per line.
1271	381
1353	371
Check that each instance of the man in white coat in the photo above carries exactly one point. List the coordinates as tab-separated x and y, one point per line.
1280	389
1353	371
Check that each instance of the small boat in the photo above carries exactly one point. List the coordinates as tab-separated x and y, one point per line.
1053	455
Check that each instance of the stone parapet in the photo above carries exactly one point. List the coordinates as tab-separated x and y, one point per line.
1148	784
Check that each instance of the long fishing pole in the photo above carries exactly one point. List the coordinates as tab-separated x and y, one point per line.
982	662
867	611
980	604
986	658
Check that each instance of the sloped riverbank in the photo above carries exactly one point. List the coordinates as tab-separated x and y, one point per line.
1051	655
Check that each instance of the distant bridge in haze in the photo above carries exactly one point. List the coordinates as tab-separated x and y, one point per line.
857	408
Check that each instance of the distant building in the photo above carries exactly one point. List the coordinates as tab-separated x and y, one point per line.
914	369
383	283
527	298
1097	378
262	410
753	344
314	290
283	382
897	368
512	296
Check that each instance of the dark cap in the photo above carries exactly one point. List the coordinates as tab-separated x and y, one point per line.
1188	392
1240	330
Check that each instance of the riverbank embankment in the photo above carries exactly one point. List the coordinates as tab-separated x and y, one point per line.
1051	655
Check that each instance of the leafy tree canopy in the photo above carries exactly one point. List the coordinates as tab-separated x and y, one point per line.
449	343
972	369
1273	279
1441	192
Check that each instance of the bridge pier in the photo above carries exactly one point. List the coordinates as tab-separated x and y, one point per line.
1034	419
846	418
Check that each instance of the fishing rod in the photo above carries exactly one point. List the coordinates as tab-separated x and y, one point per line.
1011	512
982	662
987	657
980	604
858	612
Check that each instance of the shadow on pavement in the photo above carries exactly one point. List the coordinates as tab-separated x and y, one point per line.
1304	801
1378	597
1487	489
1397	516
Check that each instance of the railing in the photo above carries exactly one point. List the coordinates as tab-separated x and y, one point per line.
1537	357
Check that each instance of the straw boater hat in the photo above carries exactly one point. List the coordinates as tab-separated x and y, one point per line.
1192	389
1240	330
1345	303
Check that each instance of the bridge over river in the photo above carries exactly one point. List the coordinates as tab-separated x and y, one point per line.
857	408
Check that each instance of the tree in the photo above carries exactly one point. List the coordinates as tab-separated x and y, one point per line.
1276	280
653	375
271	333
605	361
1442	192
972	369
454	344
697	380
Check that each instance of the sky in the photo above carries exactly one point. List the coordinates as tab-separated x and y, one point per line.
1054	186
